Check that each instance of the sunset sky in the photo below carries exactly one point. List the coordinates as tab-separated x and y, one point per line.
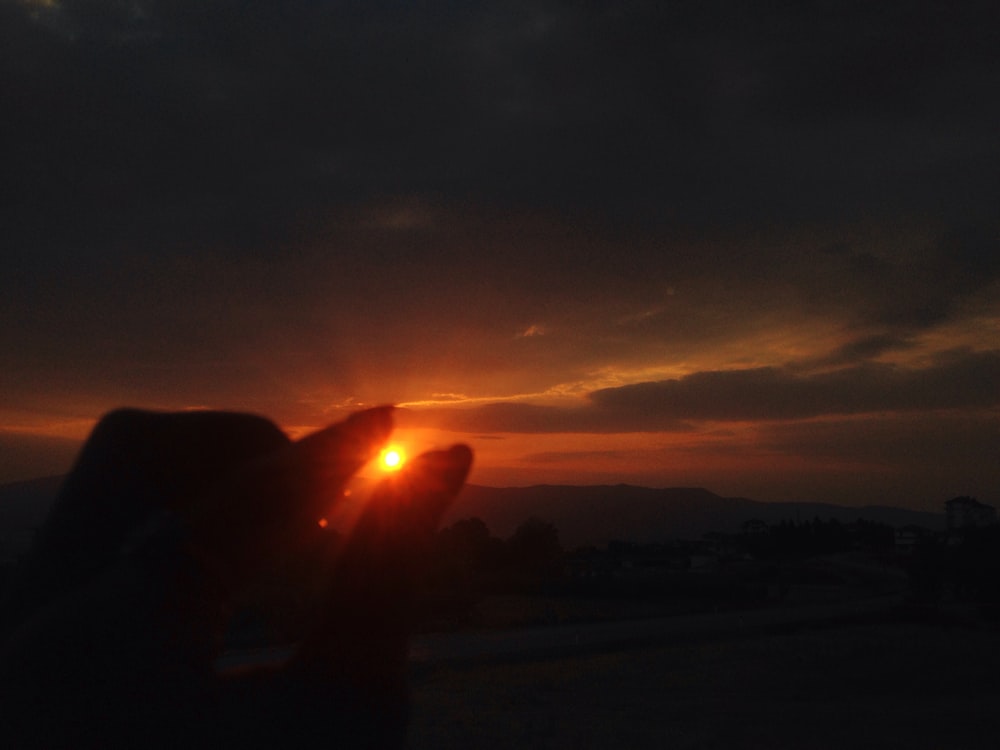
688	243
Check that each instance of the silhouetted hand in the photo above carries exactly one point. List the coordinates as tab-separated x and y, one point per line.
112	634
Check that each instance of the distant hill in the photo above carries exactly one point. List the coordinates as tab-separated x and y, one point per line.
583	515
597	514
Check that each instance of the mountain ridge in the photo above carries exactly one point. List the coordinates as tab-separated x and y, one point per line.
596	514
583	514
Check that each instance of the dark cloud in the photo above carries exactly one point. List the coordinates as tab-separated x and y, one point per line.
966	380
905	442
236	124
549	457
924	291
289	207
251	133
858	58
221	123
863	349
523	417
959	380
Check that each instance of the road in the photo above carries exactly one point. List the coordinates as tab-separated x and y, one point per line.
538	642
568	638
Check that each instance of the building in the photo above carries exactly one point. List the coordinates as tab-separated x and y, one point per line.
967	512
907	538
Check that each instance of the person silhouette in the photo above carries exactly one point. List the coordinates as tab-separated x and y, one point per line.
113	629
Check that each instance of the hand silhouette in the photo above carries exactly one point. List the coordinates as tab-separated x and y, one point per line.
112	632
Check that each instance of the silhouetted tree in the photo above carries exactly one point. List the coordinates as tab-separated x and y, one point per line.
464	552
927	570
974	568
534	548
874	536
793	540
466	541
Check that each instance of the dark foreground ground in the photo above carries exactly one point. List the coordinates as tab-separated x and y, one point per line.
876	685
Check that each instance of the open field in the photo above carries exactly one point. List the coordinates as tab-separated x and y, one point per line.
883	685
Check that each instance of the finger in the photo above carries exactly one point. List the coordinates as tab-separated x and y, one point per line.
355	658
276	502
133	465
326	460
365	618
259	519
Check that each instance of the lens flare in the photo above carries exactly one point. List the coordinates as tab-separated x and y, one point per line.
392	459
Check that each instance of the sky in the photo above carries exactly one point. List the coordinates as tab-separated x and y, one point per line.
748	247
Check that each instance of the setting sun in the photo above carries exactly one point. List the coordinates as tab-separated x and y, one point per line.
392	459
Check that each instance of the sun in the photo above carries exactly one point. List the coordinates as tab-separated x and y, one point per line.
392	459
